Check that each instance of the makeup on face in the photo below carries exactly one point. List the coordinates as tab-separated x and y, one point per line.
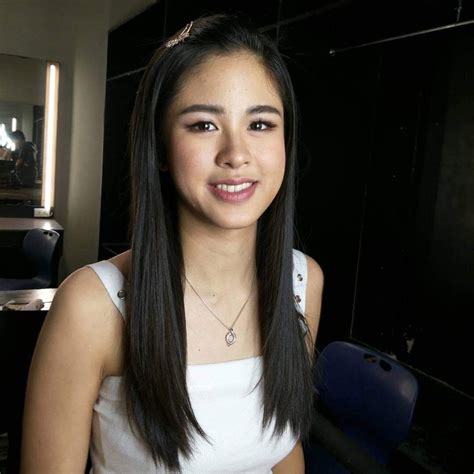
234	191
226	137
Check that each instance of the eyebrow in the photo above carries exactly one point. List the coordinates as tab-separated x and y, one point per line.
218	110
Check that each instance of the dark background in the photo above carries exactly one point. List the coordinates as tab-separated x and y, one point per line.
386	188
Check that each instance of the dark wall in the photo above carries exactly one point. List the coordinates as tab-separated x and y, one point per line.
386	170
415	287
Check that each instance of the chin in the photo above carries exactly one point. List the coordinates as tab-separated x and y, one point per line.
236	223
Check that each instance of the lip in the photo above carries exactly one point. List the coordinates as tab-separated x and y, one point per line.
234	198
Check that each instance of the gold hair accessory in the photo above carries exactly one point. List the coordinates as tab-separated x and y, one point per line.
181	37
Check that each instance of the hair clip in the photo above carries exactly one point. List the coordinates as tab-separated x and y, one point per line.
181	37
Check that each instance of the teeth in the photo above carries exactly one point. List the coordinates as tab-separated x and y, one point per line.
229	188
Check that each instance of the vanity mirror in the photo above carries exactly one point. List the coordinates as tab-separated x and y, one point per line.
28	120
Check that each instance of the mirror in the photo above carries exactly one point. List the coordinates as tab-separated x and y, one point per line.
28	109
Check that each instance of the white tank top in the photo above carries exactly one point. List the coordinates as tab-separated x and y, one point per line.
221	400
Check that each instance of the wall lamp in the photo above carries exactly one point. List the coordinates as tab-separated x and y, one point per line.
49	143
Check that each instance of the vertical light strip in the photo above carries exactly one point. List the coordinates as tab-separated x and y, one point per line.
14	124
49	145
5	139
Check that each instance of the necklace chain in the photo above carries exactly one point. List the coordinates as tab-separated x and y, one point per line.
230	337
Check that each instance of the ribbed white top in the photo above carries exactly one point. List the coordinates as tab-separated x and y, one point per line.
224	404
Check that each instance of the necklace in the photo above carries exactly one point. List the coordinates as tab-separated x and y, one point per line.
230	337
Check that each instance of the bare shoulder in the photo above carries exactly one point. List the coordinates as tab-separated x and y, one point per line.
82	306
315	273
314	293
122	262
76	342
77	291
80	292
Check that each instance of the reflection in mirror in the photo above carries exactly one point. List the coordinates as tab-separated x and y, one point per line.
28	110
22	95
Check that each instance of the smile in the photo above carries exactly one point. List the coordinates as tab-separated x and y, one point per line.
233	188
234	193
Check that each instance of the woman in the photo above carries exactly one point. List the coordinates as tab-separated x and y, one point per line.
209	369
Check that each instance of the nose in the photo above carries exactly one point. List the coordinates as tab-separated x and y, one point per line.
233	151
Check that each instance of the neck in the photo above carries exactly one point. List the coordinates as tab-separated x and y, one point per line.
219	260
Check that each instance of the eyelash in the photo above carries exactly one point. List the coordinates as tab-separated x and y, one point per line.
268	125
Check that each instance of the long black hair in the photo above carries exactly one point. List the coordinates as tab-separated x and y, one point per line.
155	355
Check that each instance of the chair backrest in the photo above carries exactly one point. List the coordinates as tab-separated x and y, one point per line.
371	395
39	246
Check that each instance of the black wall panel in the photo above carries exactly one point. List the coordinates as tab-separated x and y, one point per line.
386	177
179	13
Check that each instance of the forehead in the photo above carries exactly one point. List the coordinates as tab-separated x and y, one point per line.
235	79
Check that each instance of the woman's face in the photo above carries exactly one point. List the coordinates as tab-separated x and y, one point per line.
225	142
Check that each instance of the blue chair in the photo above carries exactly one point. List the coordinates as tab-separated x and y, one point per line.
371	398
40	247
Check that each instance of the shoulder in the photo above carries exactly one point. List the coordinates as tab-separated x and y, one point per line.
122	262
315	274
81	302
81	289
314	293
66	372
29	147
314	288
83	312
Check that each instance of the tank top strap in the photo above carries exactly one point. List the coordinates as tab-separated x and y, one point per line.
300	278
113	280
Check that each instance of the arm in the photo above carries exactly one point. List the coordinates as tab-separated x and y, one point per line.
293	463
64	379
28	155
314	293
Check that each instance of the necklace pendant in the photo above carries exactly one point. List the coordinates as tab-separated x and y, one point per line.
230	337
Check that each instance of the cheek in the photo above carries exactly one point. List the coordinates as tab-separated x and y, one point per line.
188	168
274	161
183	160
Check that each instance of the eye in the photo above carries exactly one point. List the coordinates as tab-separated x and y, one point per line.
261	125
202	127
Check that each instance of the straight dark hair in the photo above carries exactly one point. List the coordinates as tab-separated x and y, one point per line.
155	353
